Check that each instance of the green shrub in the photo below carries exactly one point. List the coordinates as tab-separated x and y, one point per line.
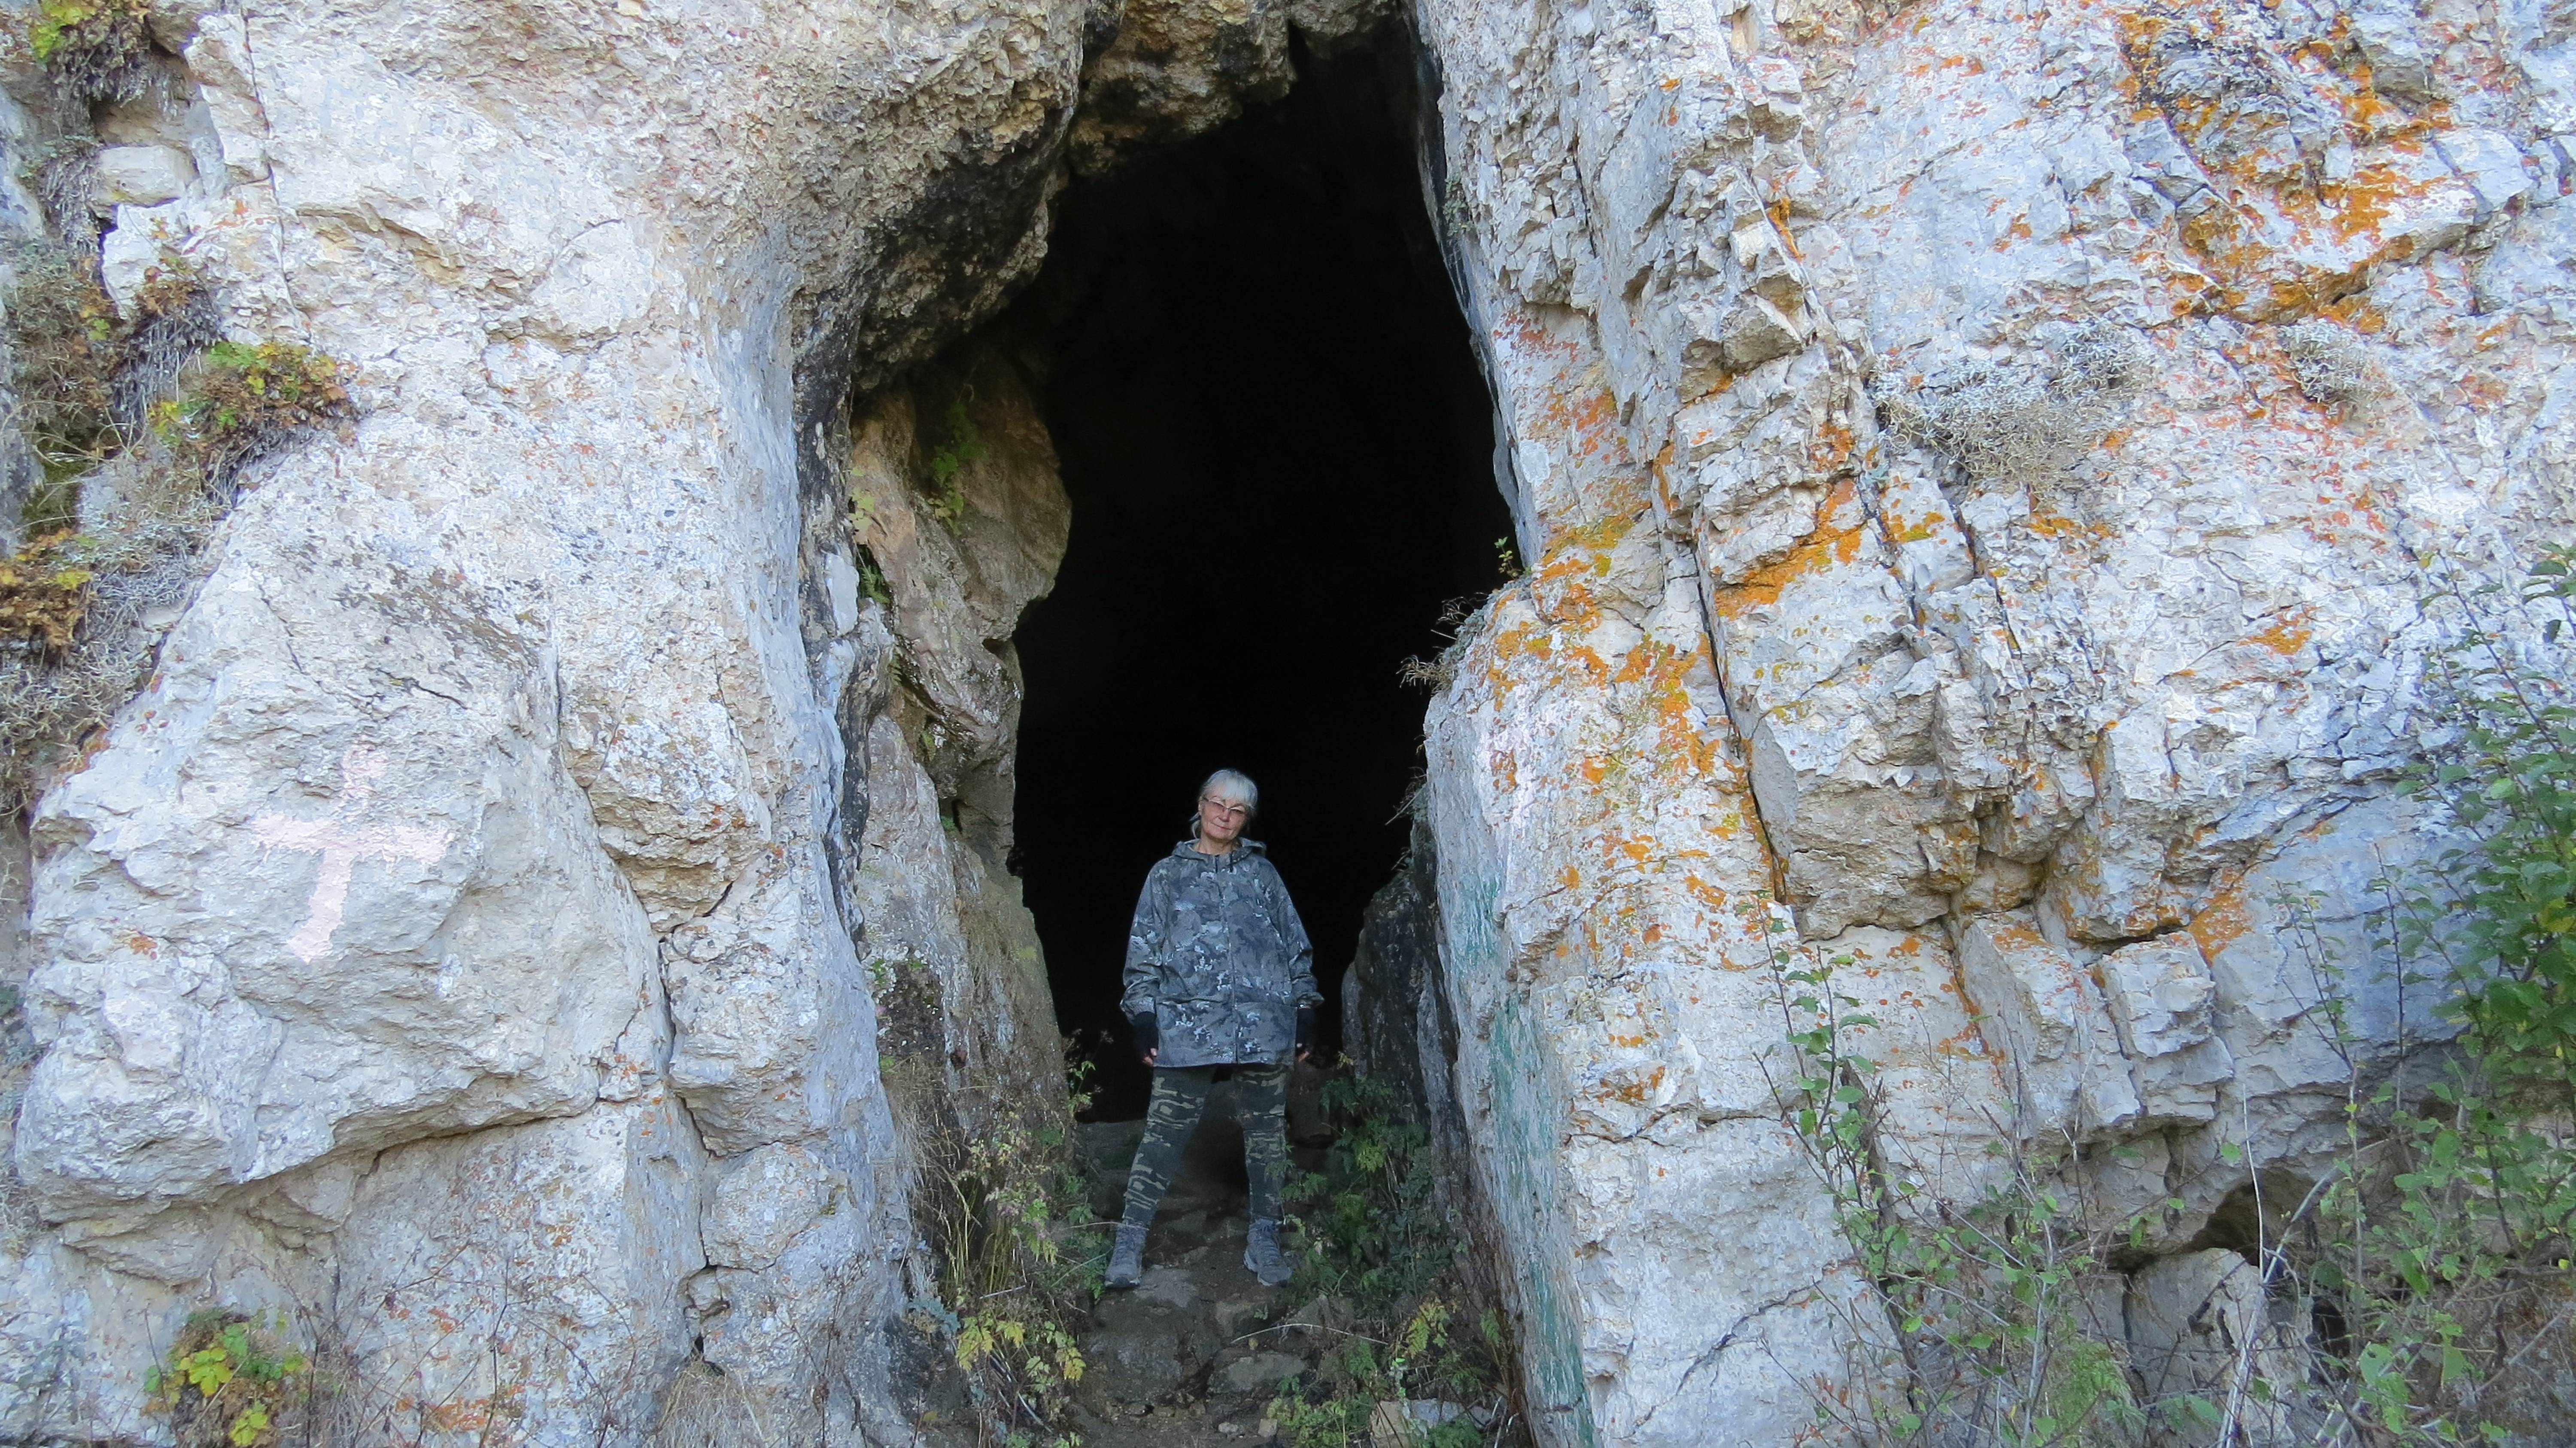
78	368
1018	1262
1981	1298
2420	1290
2498	912
1377	1243
2442	1243
74	599
1373	1234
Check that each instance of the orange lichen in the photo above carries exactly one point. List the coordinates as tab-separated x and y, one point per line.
2221	922
1823	550
2288	634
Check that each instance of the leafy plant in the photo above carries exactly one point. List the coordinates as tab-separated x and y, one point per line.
1331	1422
1378	1245
43	592
230	1381
1373	1234
2498	911
243	397
1980	1297
1368	1373
1018	1265
80	370
65	337
116	527
2443	1238
2416	1294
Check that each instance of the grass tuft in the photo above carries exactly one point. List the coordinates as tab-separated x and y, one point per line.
99	50
2019	423
2331	364
140	422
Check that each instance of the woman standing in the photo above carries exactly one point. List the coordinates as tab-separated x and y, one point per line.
1219	973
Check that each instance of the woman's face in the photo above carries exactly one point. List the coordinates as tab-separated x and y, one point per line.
1221	821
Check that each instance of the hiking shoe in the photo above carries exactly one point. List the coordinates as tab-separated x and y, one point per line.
1126	1260
1261	1254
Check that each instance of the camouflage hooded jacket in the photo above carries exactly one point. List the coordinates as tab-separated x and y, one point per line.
1219	958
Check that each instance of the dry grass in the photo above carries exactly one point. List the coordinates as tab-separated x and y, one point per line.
60	686
64	338
2021	423
706	1409
1434	673
63	172
99	50
141	422
2331	364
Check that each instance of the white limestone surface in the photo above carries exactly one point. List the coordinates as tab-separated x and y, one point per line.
2043	417
449	927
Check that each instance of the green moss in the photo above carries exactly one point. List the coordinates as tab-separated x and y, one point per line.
99	49
963	445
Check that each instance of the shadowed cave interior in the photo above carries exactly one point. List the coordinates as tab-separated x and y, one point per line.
1279	451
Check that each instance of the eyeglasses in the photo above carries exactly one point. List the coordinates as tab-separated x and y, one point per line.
1224	807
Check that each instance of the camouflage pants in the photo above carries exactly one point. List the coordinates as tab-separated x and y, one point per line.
1180	1094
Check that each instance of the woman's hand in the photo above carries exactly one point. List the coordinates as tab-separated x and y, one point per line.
1149	1039
1150	1055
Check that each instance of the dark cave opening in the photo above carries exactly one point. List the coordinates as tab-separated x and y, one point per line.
1279	450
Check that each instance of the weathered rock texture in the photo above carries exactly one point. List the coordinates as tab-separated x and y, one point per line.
1976	461
1973	460
458	944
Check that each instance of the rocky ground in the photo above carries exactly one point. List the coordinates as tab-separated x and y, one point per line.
1196	1353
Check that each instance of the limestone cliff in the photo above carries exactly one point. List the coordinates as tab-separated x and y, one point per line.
1974	461
1951	550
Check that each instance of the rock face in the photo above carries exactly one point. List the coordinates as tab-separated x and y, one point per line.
1974	462
468	916
1977	462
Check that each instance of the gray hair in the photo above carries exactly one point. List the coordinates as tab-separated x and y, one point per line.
1234	787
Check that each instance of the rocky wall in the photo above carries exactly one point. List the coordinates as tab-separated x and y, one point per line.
1976	462
1980	465
554	888
457	946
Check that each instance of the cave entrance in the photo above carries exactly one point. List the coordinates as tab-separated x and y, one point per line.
1279	450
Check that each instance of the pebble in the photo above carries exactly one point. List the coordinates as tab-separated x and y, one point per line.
1229	1430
